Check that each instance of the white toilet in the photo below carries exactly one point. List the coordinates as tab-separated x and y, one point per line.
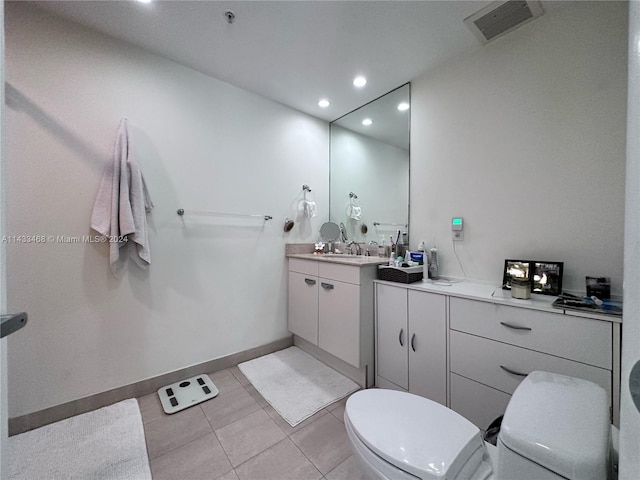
555	427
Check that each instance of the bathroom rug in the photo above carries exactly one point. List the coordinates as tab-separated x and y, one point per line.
295	384
106	444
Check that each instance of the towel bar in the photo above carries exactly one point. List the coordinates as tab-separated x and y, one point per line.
182	211
392	224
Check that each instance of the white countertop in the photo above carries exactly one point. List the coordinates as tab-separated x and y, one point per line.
343	259
474	290
487	292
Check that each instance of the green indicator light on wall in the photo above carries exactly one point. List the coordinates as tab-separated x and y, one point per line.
456	223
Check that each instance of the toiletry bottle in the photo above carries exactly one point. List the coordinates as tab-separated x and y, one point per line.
433	264
381	247
392	259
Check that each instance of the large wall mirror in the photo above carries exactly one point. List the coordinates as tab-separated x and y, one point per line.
369	174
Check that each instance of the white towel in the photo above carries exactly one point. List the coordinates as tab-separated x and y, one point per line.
310	209
122	204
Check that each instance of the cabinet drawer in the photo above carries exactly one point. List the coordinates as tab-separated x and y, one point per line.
342	273
307	267
478	403
583	340
485	361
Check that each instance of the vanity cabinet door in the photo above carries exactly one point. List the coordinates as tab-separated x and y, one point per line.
303	306
339	319
392	335
427	345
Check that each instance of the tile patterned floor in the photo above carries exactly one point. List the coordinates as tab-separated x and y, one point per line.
239	436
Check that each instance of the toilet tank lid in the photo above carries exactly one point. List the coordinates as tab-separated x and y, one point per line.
561	423
415	434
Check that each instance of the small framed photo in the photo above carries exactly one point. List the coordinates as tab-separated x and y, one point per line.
515	269
547	278
544	277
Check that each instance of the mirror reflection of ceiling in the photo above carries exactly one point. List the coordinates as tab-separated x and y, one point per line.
389	123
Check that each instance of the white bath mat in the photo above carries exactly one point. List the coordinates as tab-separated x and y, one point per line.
295	384
106	444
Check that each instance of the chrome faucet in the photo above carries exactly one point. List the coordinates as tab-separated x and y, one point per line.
358	250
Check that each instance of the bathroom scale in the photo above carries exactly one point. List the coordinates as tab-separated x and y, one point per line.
186	393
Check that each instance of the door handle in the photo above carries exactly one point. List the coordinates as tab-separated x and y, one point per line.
309	281
400	337
515	327
326	286
11	323
413	342
513	372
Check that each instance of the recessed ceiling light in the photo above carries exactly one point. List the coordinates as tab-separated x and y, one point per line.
144	1
367	122
403	106
359	81
324	103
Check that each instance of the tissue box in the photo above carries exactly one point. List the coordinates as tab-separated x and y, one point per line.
400	274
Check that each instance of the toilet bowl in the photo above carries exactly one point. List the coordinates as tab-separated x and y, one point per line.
555	427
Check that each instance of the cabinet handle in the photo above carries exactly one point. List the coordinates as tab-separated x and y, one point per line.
513	372
413	342
309	281
327	286
515	327
400	337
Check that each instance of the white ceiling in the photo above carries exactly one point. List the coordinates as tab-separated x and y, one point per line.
294	52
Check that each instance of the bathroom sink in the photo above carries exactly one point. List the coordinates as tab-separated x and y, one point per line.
357	259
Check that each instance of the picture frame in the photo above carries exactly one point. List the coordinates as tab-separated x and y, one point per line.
545	278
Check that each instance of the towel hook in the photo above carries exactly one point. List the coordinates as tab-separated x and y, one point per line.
352	195
306	188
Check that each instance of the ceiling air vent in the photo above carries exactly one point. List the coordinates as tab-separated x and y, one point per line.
502	17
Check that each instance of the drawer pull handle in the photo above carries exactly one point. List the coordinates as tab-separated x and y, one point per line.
413	342
515	327
309	281
400	337
513	372
327	286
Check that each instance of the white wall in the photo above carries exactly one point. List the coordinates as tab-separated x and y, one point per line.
525	139
216	286
629	416
375	171
4	398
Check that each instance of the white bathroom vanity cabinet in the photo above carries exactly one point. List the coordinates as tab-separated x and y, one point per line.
468	346
330	306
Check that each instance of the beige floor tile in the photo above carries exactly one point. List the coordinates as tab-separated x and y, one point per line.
284	425
228	407
256	396
230	475
324	442
244	381
150	408
338	413
172	431
347	470
225	381
283	461
249	436
202	459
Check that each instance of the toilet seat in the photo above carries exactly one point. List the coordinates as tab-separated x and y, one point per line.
412	433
